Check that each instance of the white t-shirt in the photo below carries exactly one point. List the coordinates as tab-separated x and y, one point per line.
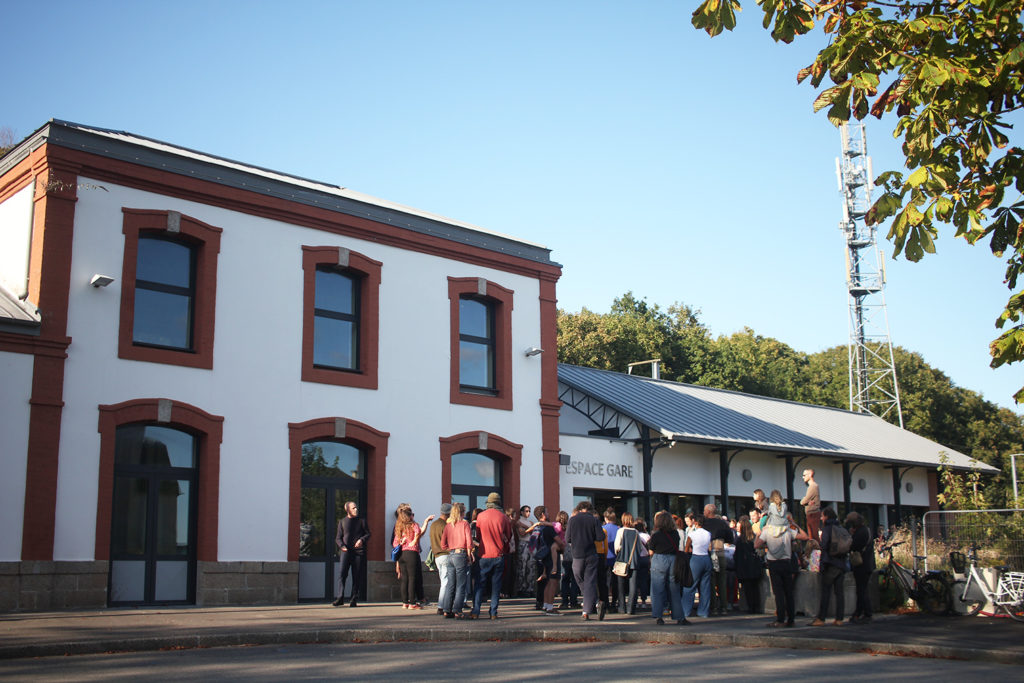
700	539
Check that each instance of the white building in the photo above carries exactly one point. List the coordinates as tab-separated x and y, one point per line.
256	350
201	361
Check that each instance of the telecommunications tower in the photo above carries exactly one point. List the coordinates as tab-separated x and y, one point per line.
872	368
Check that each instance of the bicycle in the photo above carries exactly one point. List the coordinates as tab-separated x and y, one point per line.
931	590
973	592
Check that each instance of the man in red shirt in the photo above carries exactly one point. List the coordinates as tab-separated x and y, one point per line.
495	531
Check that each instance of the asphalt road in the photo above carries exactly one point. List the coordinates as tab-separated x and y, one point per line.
496	661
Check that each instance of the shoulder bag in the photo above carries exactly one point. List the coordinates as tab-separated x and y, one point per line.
621	568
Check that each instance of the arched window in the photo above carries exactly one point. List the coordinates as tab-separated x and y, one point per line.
474	476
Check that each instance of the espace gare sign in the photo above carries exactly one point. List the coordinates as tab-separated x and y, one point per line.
598	469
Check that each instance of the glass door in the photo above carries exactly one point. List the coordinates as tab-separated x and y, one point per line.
332	475
152	542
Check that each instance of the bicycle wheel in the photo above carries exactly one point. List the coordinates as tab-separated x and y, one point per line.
968	607
1012	587
934	595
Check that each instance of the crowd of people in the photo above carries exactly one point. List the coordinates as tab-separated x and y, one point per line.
600	562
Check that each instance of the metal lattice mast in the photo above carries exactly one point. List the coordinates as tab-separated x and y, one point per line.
872	368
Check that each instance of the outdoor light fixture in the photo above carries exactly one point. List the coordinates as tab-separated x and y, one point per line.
100	280
533	351
910	487
747	475
862	484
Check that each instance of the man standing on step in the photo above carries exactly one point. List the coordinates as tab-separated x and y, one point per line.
351	539
812	505
495	532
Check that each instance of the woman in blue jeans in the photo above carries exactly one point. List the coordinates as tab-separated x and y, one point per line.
664	545
697	542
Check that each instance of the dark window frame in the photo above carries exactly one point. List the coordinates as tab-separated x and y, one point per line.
368	271
154	286
357	279
205	242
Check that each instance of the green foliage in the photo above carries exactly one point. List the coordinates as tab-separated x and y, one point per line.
953	73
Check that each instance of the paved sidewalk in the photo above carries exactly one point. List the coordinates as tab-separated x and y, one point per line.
132	630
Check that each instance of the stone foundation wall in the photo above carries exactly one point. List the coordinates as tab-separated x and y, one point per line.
382	583
37	586
247	583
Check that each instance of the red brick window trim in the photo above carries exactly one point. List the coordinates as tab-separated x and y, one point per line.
207	429
372	442
500	300
205	240
508	454
368	273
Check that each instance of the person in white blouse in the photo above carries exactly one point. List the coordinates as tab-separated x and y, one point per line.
698	541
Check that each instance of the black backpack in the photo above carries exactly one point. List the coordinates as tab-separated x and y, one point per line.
839	545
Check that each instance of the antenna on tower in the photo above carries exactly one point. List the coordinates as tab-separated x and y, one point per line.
872	367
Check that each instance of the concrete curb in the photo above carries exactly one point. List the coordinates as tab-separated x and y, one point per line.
678	635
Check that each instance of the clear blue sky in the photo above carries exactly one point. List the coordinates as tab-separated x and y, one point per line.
646	155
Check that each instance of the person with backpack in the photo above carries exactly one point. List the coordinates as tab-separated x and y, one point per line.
835	551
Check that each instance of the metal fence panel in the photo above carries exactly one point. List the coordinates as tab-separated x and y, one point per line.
998	535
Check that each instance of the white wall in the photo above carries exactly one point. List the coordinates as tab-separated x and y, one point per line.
694	469
15	240
16	383
255	384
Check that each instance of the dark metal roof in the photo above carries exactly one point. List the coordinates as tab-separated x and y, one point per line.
181	160
16	315
715	417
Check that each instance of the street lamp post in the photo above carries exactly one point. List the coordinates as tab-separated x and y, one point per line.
1013	466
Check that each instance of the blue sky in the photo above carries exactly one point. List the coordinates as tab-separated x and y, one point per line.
646	155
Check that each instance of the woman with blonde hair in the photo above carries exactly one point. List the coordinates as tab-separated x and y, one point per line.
457	539
407	535
627	549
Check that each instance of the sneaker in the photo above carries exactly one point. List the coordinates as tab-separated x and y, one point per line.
415	606
553	612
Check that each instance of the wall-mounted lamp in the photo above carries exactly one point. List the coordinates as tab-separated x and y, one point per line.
910	487
533	351
100	280
862	484
747	475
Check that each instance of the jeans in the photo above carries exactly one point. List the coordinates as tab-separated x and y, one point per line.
491	570
570	591
700	565
458	571
781	574
860	578
447	575
357	562
719	579
585	569
664	585
831	580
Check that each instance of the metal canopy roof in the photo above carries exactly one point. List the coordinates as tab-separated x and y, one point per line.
17	316
715	417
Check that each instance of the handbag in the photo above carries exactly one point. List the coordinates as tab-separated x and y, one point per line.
621	568
856	559
431	561
396	552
